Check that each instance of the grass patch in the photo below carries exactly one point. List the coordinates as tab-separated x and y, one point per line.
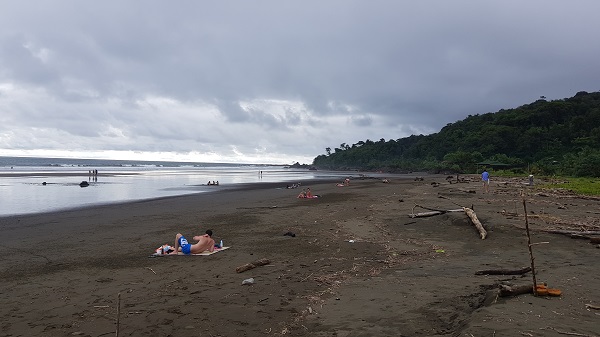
587	186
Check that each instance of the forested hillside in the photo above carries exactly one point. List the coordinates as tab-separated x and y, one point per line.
544	137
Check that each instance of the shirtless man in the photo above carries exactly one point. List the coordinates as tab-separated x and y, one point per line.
205	242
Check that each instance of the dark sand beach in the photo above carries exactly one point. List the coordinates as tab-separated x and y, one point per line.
357	266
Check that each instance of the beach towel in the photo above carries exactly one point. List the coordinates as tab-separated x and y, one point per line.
204	253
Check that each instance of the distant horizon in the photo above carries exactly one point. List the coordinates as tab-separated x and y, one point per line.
140	161
153	157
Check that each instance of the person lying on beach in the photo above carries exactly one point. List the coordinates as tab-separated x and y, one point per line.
345	183
302	194
205	242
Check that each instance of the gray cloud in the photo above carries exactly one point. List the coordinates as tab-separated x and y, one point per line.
276	80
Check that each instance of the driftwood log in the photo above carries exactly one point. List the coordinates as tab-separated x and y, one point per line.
569	232
433	212
471	214
506	291
504	271
593	235
252	265
425	214
468	211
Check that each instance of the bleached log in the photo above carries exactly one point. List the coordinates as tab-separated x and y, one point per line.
425	214
432	213
506	291
471	214
252	265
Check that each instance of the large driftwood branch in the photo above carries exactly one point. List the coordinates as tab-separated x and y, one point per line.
252	265
425	214
471	214
504	271
433	212
439	210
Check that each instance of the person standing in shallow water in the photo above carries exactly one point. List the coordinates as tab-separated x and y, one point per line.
485	177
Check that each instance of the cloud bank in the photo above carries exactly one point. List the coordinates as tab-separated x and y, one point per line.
274	81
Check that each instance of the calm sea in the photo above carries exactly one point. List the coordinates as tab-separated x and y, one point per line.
35	185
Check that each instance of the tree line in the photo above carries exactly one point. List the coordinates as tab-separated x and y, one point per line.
559	137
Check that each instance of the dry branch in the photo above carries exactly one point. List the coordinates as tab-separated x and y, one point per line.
567	232
471	214
531	258
504	271
252	265
118	314
425	214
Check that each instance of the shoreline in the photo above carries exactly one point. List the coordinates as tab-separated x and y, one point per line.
357	265
213	189
64	174
218	189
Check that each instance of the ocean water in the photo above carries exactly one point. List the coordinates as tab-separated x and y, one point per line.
36	185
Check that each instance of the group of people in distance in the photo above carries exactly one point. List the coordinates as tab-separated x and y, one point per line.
213	182
306	193
345	183
295	185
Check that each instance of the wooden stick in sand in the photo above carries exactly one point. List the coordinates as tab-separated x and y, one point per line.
529	246
118	313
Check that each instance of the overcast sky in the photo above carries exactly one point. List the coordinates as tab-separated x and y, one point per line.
275	81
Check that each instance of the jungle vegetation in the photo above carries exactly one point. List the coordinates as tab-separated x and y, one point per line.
558	137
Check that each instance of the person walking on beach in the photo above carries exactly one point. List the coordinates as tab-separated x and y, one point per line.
205	242
485	177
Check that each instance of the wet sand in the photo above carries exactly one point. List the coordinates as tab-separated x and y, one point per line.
358	265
